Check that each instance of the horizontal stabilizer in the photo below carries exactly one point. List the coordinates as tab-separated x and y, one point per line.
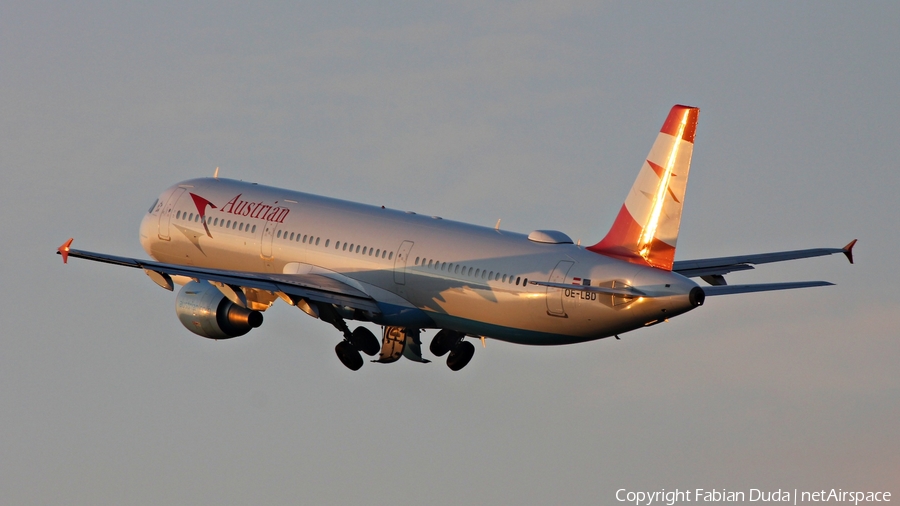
762	287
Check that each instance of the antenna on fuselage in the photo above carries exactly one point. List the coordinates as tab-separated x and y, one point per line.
216	175
497	226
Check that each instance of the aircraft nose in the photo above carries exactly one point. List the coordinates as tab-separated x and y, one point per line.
145	231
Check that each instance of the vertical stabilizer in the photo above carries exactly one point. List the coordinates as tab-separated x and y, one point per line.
646	229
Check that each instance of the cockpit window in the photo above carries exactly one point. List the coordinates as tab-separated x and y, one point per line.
153	206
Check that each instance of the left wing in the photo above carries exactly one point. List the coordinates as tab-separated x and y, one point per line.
310	286
712	270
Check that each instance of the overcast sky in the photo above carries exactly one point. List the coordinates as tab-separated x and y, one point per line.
537	113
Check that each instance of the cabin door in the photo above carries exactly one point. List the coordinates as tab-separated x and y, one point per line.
400	262
555	295
165	216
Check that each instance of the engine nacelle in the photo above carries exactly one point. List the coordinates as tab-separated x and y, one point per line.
205	311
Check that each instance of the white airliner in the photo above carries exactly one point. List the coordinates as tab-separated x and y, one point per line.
237	247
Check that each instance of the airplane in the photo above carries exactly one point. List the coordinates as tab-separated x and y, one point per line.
236	247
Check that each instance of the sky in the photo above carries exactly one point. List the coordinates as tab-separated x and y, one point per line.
536	113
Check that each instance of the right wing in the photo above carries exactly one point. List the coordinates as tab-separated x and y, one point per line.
713	270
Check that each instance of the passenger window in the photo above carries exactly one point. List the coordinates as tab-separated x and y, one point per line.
457	269
470	272
178	215
517	280
429	263
327	242
371	251
253	230
383	253
417	260
317	240
378	252
241	227
391	256
524	281
483	274
504	278
357	248
279	232
364	250
304	239
443	266
477	272
345	246
292	237
228	225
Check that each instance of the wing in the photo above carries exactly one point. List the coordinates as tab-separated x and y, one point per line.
713	270
293	287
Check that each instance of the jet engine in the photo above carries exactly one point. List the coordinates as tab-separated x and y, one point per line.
205	311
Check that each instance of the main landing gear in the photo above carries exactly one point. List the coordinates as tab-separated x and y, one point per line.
397	342
360	340
461	352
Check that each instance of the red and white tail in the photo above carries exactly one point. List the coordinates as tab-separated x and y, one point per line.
646	229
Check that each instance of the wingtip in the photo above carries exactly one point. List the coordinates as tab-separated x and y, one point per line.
848	250
64	250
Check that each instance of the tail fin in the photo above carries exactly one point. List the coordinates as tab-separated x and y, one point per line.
646	229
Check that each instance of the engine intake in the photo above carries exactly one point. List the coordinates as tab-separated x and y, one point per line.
205	311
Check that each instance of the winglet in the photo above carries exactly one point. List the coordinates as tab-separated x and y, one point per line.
848	250
64	250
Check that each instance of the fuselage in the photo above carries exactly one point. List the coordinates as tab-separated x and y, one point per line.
423	271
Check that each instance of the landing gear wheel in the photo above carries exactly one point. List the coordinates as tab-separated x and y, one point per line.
365	341
444	341
349	356
460	356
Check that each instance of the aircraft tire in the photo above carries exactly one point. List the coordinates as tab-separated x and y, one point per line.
460	356
348	355
444	341
365	341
